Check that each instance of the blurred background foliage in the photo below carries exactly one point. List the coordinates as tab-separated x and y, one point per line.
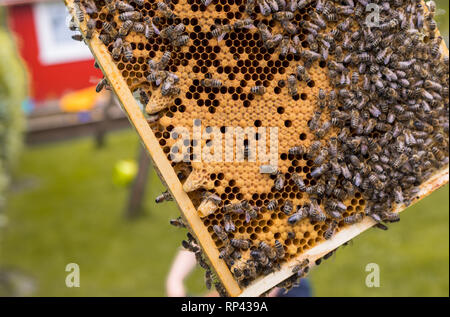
64	207
13	91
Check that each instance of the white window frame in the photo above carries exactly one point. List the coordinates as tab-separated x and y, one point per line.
51	51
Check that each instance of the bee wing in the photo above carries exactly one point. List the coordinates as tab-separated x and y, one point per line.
292	49
247	217
293	6
175	77
274	6
263	9
156	29
221	36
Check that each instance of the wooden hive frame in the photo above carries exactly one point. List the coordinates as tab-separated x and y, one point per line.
189	212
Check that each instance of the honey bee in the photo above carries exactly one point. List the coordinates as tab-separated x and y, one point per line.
238	208
251	213
158	76
399	161
273	41
165	10
296	45
300	267
433	85
352	219
220	289
299	215
315	212
206	2
309	57
302	74
152	118
264	7
272	205
165	196
303	3
77	37
290	28
323	130
130	15
90	28
127	51
209	82
317	20
101	84
212	197
121	6
292	85
318	171
321	157
90	7
285	46
297	150
125	28
240	243
279	249
283	15
221	30
78	12
287	207
72	24
297	179
390	216
138	27
162	63
250	269
313	149
264	32
208	279
149	28
226	254
279	181
260	257
337	205
221	233
238	274
105	38
140	3
321	99
331	230
181	40
332	105
189	246
268	250
228	223
167	78
110	29
243	23
249	6
178	222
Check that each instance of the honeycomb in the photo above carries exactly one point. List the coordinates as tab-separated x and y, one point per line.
240	61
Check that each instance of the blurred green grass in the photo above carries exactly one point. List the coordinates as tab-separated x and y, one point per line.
442	17
72	212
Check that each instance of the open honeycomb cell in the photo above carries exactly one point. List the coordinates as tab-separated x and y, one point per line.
240	60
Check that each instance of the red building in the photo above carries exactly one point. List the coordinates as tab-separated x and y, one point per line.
57	64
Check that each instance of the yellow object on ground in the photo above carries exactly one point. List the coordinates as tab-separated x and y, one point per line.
81	100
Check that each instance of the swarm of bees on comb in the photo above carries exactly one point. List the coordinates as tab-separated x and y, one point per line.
362	108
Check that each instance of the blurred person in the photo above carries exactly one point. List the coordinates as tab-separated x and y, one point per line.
185	262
